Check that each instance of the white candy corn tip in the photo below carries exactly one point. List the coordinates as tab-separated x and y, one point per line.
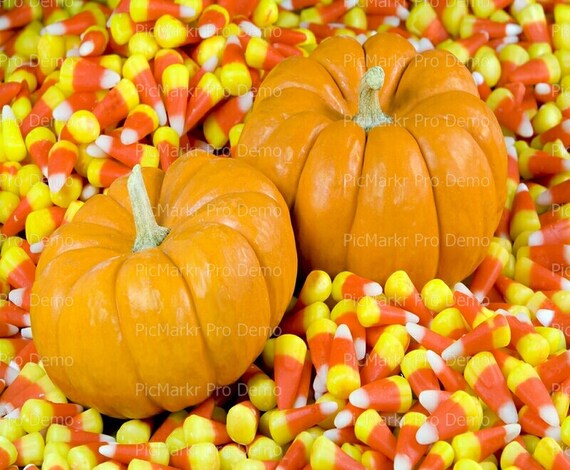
544	198
513	29
251	29
525	129
414	42
62	112
554	432
348	4
480	296
343	419
542	88
12	330
206	31
511	431
109	79
478	78
161	113
545	316
93	150
7	113
535	239
245	102
566	126
415	331
462	288
129	136
429	399
16	296
300	401
86	48
56	181
359	398
402	12
549	415
328	407
372	289
332	434
232	39
452	351
427	434
508	413
14	414
360	348
11	374
435	361
343	332
402	462
104	142
393	20
55	29
426	45
509	141
26	319
210	64
88	192
5	23
521	187
565	284
411	317
187	11
25	332
107	451
177	123
287	5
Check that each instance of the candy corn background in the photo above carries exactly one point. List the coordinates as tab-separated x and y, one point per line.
358	375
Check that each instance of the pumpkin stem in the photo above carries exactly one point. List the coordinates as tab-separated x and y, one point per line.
370	113
148	233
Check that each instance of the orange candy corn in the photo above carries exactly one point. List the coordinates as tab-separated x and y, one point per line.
427	338
347	285
140	122
484	376
327	455
416	369
343	376
372	430
80	74
525	383
290	352
175	80
479	445
490	334
344	312
450	378
17	268
137	69
458	414
389	394
408	450
284	425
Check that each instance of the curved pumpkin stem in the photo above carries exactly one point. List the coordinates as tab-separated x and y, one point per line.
370	113
148	233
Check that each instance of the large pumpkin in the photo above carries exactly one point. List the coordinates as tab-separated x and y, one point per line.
416	181
132	317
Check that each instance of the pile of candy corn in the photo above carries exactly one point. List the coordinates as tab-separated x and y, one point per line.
356	378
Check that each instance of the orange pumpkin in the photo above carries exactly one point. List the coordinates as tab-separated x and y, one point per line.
134	315
387	158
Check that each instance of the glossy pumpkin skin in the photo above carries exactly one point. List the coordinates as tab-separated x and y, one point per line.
423	194
132	334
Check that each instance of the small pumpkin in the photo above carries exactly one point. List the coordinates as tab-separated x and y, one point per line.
134	315
388	159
